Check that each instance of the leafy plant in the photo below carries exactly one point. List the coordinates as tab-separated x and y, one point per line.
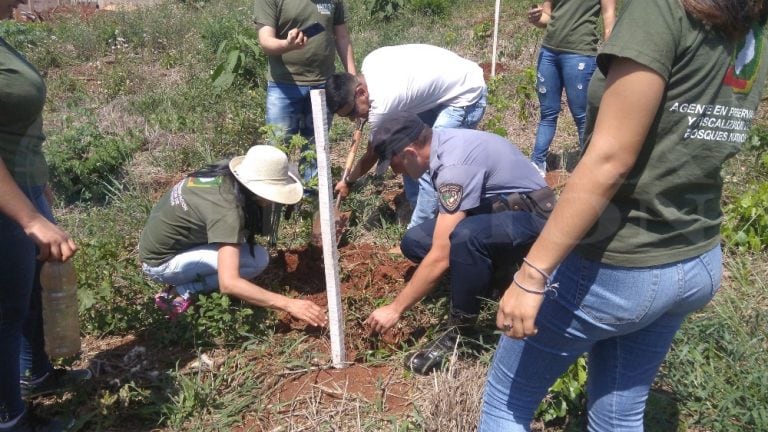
243	57
525	92
216	317
746	220
83	159
24	37
430	7
495	125
296	147
481	32
566	396
384	9
114	296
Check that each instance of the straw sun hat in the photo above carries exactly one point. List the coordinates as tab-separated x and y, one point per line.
264	171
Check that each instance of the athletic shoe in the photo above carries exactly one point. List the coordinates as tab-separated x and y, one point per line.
57	381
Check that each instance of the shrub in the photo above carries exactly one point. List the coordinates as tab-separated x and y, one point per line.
566	396
746	220
113	293
383	9
24	37
430	7
84	161
34	40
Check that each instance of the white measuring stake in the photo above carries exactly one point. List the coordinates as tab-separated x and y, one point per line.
328	229
495	37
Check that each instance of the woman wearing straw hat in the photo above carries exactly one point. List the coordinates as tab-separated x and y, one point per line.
200	235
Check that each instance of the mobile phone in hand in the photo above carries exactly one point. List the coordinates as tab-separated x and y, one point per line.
313	29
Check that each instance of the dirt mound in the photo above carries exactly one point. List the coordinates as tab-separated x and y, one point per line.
367	275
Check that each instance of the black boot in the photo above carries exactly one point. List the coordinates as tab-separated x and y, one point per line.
435	354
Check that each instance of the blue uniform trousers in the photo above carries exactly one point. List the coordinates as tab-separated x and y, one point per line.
480	245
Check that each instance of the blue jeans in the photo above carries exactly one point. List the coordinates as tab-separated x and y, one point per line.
479	245
289	108
558	70
196	270
22	345
421	193
624	318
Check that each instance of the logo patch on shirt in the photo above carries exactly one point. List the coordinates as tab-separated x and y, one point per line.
450	195
203	181
745	62
324	8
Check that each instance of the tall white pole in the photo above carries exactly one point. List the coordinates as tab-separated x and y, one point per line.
328	229
495	36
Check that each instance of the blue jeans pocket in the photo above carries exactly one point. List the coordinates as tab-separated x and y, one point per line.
616	295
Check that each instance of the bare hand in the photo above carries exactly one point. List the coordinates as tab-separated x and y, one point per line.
382	319
308	312
54	243
518	309
534	14
296	39
342	188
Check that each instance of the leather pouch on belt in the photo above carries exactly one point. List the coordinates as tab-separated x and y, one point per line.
542	202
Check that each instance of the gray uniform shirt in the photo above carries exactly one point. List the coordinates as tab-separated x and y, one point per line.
470	168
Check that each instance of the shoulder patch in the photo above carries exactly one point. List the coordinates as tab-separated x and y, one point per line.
205	182
450	195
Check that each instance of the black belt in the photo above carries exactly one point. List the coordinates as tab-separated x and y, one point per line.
539	202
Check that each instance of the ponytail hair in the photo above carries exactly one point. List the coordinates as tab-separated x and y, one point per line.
253	213
732	18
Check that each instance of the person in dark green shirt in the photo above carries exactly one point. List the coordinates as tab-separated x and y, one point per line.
200	236
299	62
633	245
29	236
566	61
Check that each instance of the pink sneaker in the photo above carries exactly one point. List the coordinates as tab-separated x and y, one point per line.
170	306
178	306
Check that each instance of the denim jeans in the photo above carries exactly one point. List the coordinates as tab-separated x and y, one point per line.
558	70
196	270
480	244
22	345
421	193
289	107
624	318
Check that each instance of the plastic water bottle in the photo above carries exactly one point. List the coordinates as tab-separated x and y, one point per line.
60	320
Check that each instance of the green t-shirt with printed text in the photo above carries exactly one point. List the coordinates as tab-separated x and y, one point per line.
573	26
314	63
22	96
195	212
668	208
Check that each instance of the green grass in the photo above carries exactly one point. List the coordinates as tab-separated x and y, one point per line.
138	85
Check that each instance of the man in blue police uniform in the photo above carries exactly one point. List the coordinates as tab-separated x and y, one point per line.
493	204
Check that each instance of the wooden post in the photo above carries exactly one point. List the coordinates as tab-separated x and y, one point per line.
495	37
328	229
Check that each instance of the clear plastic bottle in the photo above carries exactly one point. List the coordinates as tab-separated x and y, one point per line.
60	321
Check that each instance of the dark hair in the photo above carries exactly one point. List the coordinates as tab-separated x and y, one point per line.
733	18
253	213
340	91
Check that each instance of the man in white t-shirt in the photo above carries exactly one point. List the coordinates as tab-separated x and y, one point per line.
444	89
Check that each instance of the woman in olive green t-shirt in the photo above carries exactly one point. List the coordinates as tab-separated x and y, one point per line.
28	234
633	245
